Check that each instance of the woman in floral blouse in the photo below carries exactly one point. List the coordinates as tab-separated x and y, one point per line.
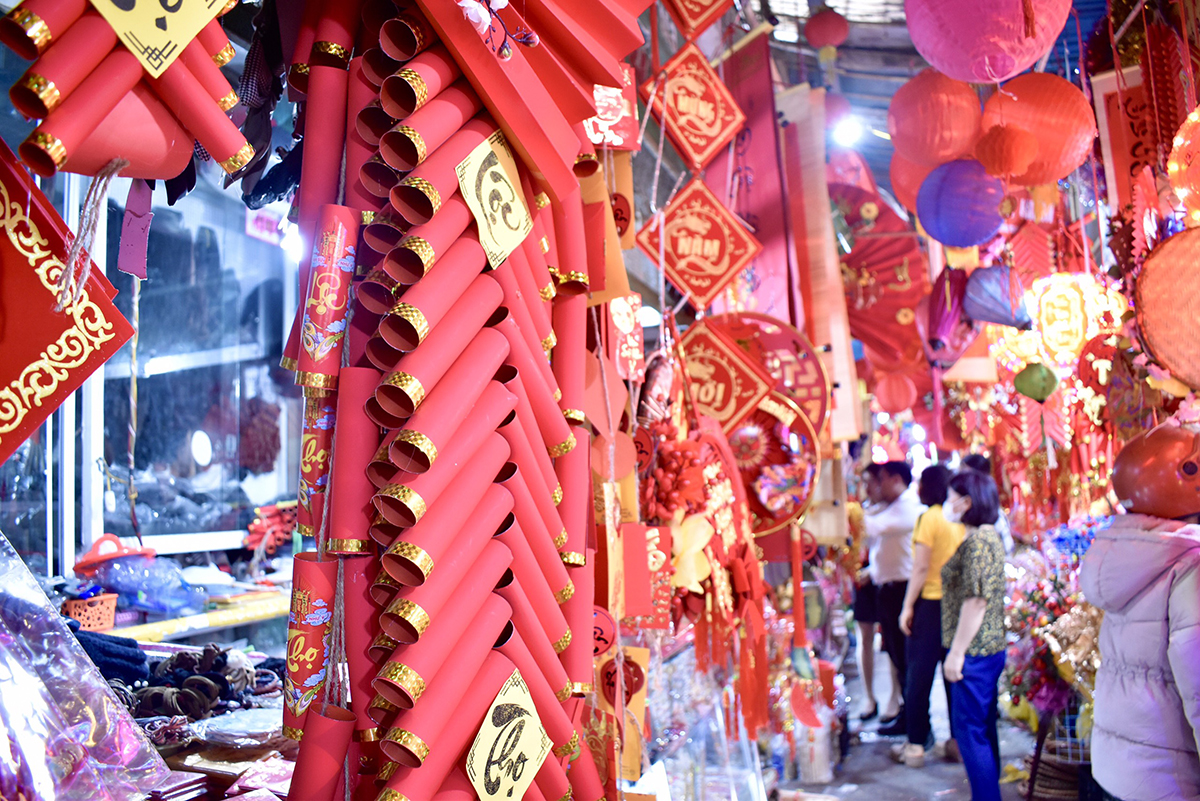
973	628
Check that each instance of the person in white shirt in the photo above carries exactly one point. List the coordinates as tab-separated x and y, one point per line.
889	525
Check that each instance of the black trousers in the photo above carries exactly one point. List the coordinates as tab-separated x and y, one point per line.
924	652
891	602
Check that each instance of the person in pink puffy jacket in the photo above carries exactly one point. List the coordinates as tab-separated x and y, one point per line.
1144	572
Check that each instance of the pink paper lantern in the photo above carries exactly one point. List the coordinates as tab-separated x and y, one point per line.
984	42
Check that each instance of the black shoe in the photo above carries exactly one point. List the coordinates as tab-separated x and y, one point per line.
870	715
896	728
899	716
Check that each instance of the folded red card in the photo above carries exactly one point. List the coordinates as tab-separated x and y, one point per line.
45	355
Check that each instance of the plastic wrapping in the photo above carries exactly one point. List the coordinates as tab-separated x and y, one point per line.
63	733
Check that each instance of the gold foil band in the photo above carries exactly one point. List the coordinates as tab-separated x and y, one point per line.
585	157
34	26
548	291
224	55
419	441
425	188
366	735
403	677
228	101
582	688
563	448
561	539
542	200
423	249
561	644
557	395
331	49
414	136
418	30
544	244
418	747
549	342
413	553
385	773
316	380
564	693
51	145
573	559
384	579
564	595
379	702
407	384
292	733
384	641
239	159
299	70
414	317
378	276
407	611
43	88
568	748
575	416
304	529
316	393
568	795
367	217
288	363
557	495
419	87
348	546
572	277
387	794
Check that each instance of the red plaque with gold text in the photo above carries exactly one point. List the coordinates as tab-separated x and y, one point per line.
725	384
693	16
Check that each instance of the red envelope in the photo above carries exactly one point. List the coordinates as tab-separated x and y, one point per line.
44	355
637	571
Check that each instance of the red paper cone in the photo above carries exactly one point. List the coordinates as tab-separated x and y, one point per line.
584	778
378	65
363	325
570	326
53	77
309	622
316	445
385	230
524	455
426	302
378	179
49	147
586	162
476	697
416	374
547	703
553	426
527	424
405	501
407	145
415	732
416	447
411	87
377	292
372	122
355	440
574	472
535	614
518	309
413	558
160	147
199	62
552	781
541	542
407	618
409	671
571	243
328	297
359	151
418	197
383	532
319	763
362	627
403	37
577	657
423	245
185	95
29	28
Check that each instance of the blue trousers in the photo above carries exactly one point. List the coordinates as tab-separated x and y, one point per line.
973	717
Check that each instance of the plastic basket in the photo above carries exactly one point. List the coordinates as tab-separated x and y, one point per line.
93	614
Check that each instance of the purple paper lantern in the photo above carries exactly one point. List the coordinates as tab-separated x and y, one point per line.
959	204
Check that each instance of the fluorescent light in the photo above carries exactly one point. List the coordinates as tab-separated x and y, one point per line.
847	132
649	317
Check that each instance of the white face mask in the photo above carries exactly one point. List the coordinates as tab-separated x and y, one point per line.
953	511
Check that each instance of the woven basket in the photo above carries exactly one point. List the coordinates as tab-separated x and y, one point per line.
93	614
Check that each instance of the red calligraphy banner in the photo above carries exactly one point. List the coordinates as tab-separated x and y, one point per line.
694	16
726	385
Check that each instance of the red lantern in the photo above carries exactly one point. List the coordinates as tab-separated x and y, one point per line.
907	177
836	108
1054	111
895	392
934	119
1006	150
826	28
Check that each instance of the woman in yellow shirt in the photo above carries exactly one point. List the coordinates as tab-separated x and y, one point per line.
934	541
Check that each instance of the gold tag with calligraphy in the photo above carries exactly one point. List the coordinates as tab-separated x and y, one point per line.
157	32
511	744
488	181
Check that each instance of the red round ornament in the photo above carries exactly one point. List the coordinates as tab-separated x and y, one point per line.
1006	150
1056	112
933	119
907	177
826	28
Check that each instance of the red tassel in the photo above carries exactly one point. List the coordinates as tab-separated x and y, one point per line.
701	641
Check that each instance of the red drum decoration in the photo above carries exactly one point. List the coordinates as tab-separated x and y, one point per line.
933	119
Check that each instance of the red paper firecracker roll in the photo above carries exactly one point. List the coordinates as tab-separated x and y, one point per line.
408	144
533	244
378	65
336	30
570	325
404	501
372	122
423	245
199	62
577	658
406	35
584	778
383	588
426	302
553	426
162	146
518	308
183	93
406	675
29	28
548	481
551	781
525	454
58	73
412	86
377	178
586	162
297	77
456	787
539	311
541	542
380	416
382	712
548	704
328	296
359	151
381	648
541	238
355	440
544	614
571	244
574	472
415	448
418	197
324	140
363	325
377	292
403	390
48	148
362	627
213	41
385	230
316	445
318	772
415	731
309	623
380	469
380	353
422	784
